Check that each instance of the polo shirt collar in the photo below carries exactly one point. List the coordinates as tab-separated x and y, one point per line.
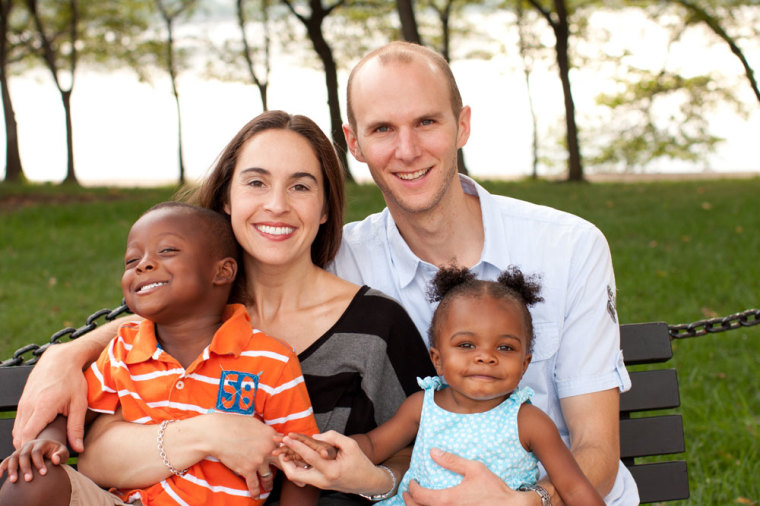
495	251
231	338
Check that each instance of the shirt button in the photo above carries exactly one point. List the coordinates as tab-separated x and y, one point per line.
180	385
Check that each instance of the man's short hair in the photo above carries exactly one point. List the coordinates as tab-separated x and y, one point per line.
406	52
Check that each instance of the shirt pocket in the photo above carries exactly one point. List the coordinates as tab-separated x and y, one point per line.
546	340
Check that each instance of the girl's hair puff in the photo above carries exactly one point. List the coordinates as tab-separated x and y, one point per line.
452	282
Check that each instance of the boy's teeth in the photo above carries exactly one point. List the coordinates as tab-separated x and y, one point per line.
411	175
148	287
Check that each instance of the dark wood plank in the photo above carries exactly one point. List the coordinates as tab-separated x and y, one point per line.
657	435
661	481
656	389
645	343
6	439
12	380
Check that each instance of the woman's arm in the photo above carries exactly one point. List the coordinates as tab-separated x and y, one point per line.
242	443
56	386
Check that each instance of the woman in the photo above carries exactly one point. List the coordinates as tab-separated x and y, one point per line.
281	183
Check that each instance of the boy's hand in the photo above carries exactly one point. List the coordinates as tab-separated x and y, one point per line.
324	449
34	454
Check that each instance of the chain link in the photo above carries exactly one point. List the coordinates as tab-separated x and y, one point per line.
699	328
35	350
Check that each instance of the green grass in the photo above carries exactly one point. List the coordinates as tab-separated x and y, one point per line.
683	251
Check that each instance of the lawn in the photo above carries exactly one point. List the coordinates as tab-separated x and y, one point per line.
682	250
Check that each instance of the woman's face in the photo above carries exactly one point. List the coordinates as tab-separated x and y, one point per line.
276	201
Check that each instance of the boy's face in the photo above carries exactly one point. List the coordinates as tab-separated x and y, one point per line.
167	273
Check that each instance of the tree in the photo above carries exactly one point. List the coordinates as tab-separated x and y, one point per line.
13	168
525	46
171	11
58	40
558	21
701	14
659	115
261	80
314	28
406	16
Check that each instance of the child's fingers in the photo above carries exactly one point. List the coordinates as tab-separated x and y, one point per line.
59	455
38	460
5	465
25	466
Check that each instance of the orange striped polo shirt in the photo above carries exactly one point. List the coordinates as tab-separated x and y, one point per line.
241	371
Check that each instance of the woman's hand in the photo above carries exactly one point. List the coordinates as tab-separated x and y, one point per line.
242	443
351	471
56	386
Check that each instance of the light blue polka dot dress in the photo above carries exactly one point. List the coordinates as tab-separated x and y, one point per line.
490	437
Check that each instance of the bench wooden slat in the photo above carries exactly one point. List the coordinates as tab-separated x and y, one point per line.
12	380
657	435
661	481
645	343
656	389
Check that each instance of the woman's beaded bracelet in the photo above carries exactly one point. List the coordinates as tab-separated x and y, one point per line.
162	452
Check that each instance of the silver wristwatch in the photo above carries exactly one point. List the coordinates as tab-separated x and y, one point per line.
546	500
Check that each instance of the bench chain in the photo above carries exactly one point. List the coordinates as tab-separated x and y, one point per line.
36	350
699	328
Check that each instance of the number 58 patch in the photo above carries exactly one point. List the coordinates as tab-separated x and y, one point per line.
237	392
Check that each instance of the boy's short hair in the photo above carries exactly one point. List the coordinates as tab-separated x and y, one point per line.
215	226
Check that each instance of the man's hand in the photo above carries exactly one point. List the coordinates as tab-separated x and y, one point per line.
479	486
56	386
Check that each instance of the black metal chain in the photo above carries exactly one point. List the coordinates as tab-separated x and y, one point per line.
699	328
35	350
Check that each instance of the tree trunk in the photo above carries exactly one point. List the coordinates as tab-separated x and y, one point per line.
562	32
408	21
314	27
13	169
71	177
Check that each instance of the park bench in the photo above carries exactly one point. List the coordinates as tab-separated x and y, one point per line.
641	436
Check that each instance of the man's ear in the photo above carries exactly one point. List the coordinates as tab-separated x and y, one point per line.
353	143
226	270
435	356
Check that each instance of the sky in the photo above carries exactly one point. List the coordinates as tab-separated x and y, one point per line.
125	130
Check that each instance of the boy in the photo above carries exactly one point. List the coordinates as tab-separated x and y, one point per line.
192	354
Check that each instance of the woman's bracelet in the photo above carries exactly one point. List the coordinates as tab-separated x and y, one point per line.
391	492
162	452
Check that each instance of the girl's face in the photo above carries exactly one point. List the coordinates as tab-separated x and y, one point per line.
276	201
481	350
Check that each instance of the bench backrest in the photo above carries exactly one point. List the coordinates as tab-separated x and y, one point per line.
656	433
641	436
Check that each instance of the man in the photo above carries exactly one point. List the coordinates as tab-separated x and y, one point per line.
406	122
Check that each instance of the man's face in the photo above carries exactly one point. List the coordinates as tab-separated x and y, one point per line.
406	132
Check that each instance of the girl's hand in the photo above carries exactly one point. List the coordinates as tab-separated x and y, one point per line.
34	454
351	471
322	448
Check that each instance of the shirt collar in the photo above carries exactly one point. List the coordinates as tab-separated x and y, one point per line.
230	339
495	251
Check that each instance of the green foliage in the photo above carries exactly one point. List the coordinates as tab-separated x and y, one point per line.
658	115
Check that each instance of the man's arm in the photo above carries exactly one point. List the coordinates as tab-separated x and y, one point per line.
56	386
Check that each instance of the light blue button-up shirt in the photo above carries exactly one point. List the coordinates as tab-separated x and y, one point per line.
577	345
